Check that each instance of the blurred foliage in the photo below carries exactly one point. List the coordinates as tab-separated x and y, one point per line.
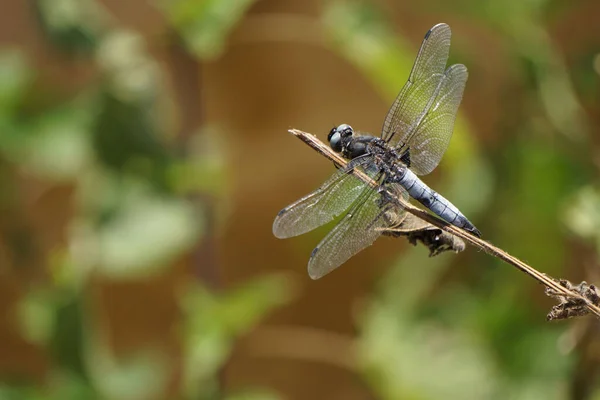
213	326
522	24
582	216
85	366
73	25
204	25
451	326
135	212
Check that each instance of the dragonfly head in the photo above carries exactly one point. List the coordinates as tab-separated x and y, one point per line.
337	134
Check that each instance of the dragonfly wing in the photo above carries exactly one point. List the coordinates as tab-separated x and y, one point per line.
359	228
418	93
324	204
430	139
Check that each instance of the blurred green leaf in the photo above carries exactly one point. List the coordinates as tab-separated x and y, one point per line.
585	74
582	214
407	359
126	138
141	231
204	25
138	377
73	25
53	143
58	145
132	75
36	314
68	337
128	133
214	321
147	231
15	76
366	41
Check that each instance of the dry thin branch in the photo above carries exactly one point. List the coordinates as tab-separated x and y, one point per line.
574	302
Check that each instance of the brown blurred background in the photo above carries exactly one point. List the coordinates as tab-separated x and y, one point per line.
144	154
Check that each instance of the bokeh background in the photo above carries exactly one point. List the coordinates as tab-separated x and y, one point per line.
144	154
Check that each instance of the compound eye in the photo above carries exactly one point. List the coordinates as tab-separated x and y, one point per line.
331	133
335	141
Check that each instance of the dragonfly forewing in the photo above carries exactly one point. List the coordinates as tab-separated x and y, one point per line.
416	96
430	139
324	204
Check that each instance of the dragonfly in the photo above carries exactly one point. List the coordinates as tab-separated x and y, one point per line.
416	133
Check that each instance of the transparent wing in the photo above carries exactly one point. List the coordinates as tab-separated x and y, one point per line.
324	204
430	139
358	229
418	93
